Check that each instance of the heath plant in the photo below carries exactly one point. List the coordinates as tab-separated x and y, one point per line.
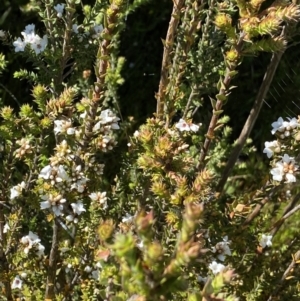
182	217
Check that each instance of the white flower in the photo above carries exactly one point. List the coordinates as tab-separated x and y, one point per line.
2	34
285	169
39	44
279	125
63	126
265	240
56	174
32	241
222	249
17	190
19	45
78	208
88	269
277	172
59	9
99	197
271	147
29	29
45	173
6	228
216	267
95	274
98	29
75	28
292	124
184	126
127	218
72	218
53	202
17	283
40	250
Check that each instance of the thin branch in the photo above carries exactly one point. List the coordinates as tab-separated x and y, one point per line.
168	46
289	211
51	274
261	204
296	257
248	126
223	91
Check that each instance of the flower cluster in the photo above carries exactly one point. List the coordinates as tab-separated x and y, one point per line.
32	241
285	168
183	125
36	43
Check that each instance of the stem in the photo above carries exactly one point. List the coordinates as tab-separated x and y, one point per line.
261	204
264	88
102	64
51	274
219	104
168	46
288	211
296	257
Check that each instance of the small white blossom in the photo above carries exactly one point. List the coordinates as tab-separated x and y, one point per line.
285	169
88	269
75	28
98	29
216	267
78	208
222	249
184	126
99	197
17	283
6	228
127	218
19	45
53	202
266	240
63	126
271	147
32	241
17	190
59	9
56	174
29	29
95	274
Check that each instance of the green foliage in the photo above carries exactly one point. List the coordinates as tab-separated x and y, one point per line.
90	212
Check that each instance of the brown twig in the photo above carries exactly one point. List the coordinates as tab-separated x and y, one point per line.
51	274
166	61
288	211
248	126
264	88
223	91
296	257
260	205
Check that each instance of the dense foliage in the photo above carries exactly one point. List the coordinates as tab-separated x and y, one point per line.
127	167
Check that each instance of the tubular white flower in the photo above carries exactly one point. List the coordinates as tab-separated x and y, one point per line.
59	9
